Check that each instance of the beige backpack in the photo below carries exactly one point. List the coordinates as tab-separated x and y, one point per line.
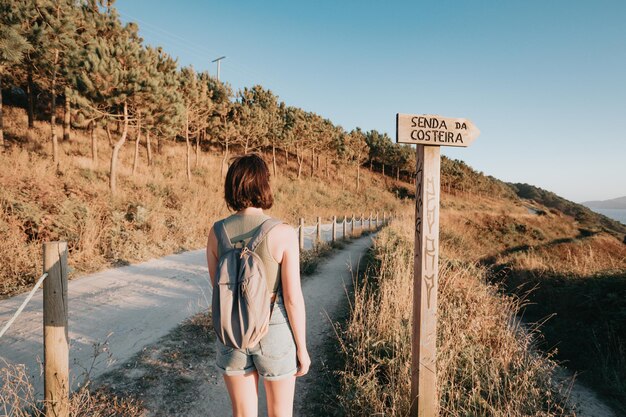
241	300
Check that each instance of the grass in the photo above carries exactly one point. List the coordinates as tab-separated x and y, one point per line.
17	398
156	212
160	371
486	366
580	284
493	250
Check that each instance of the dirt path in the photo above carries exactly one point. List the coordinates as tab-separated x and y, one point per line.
128	307
176	376
585	401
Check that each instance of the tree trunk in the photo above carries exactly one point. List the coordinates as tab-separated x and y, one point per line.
188	147
274	158
67	116
318	162
358	177
109	134
312	162
30	85
371	165
149	148
326	167
137	142
384	170
53	108
195	164
94	145
224	159
286	157
398	173
116	151
1	120
300	159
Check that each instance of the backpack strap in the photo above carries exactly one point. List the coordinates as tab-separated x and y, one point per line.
223	241
262	232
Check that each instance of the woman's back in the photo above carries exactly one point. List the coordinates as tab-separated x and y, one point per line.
240	228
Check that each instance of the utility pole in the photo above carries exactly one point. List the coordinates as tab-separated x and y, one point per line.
218	66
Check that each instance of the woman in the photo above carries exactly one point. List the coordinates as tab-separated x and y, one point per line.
281	355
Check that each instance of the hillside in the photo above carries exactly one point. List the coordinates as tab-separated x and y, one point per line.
614	203
587	218
157	210
514	236
507	252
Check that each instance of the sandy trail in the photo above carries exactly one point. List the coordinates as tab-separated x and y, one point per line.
130	306
203	393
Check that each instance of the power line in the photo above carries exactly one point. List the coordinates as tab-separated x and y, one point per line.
193	48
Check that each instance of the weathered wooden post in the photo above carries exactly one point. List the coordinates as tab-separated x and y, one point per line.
301	234
55	334
384	218
377	220
318	236
428	132
369	222
352	226
345	226
334	228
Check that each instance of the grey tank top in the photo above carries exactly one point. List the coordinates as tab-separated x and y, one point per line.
241	227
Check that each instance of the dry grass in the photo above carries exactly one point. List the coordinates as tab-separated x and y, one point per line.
17	398
486	367
571	276
599	254
156	212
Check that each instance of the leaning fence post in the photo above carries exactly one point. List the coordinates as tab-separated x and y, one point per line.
334	228
345	226
319	230
55	334
301	234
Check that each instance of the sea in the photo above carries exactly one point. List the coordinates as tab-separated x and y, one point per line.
615	214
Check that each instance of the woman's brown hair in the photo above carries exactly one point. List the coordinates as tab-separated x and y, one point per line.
248	183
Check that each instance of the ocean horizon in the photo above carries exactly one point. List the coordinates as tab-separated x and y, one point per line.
615	214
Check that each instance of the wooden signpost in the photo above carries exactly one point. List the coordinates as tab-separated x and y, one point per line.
428	132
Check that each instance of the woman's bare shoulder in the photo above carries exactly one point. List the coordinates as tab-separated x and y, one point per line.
284	231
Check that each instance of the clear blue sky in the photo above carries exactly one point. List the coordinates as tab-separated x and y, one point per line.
545	81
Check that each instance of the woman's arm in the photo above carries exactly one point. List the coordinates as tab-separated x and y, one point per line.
288	248
211	255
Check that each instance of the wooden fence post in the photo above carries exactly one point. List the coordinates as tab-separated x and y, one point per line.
55	334
352	226
301	234
334	228
384	218
345	226
319	230
377	220
369	222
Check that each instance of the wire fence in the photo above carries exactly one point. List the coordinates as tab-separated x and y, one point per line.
21	308
312	235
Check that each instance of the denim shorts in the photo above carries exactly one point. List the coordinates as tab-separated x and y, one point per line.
274	357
